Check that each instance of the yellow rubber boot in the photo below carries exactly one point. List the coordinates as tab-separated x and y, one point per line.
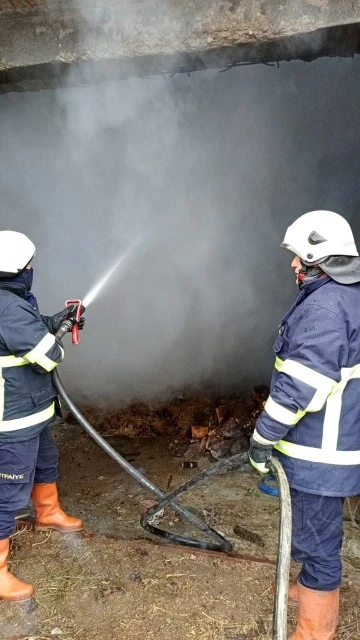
49	514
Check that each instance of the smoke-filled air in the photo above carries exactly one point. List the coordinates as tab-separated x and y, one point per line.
189	183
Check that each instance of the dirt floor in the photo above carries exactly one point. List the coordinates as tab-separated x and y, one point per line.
117	584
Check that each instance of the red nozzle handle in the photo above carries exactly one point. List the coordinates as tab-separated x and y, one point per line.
75	335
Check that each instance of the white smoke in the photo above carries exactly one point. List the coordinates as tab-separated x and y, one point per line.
208	170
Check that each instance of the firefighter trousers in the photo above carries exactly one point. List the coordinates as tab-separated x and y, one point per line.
23	464
317	532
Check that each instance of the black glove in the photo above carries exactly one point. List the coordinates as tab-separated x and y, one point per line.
67	314
259	453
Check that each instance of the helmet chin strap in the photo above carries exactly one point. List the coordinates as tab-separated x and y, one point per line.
308	273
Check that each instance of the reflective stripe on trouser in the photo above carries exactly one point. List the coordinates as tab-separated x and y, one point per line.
316	539
22	464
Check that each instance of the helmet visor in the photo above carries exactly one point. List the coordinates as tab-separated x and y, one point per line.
285	245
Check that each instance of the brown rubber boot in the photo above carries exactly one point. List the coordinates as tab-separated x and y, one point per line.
318	614
11	589
293	596
49	514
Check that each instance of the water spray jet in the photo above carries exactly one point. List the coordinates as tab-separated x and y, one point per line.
100	285
238	462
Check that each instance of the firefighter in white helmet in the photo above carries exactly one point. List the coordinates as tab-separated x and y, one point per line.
311	419
29	352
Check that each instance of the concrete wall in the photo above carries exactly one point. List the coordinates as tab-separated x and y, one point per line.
39	38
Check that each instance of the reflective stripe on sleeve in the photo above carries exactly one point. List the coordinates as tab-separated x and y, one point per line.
308	375
323	385
41	348
38	354
28	421
46	363
261	440
281	414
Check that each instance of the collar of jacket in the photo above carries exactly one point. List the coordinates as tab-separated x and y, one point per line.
304	293
17	288
312	286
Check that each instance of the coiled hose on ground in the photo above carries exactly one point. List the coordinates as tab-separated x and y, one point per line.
239	462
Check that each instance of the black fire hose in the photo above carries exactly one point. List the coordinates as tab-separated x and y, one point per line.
239	462
220	544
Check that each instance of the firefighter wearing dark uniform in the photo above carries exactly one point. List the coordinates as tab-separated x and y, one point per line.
312	416
29	352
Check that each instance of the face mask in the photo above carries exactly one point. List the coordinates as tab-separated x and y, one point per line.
28	275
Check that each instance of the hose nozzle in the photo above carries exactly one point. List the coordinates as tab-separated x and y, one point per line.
66	326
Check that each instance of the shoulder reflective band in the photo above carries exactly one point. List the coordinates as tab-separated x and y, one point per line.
38	354
281	414
311	454
28	421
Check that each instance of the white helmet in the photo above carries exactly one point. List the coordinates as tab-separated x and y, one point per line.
16	251
319	234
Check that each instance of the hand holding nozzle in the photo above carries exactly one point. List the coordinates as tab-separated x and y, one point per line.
72	320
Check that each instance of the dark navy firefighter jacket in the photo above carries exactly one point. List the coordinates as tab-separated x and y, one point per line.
313	411
28	353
